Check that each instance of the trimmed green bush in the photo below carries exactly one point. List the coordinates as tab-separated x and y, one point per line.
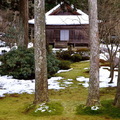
76	57
64	64
73	56
19	63
64	55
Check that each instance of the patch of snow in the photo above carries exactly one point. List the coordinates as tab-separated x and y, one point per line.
67	83
8	85
30	45
54	84
86	68
4	48
64	70
14	47
104	78
59	49
94	108
2	43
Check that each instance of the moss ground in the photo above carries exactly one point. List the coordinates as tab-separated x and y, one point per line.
12	106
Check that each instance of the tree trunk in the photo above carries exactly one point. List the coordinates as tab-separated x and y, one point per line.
23	23
117	96
41	83
93	94
111	71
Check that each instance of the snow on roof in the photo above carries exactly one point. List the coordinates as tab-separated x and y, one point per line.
83	18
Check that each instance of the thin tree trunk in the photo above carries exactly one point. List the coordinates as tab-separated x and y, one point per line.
41	83
117	96
93	93
111	72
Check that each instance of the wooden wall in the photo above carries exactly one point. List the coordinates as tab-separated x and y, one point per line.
78	35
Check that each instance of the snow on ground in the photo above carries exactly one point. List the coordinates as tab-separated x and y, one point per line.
4	48
8	85
104	78
64	70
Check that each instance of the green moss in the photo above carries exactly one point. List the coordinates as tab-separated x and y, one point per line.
47	109
84	110
110	109
20	107
78	70
106	109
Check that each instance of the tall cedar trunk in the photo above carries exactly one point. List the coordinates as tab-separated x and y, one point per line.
41	84
93	93
23	29
117	96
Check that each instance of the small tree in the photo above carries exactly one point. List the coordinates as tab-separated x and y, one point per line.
110	30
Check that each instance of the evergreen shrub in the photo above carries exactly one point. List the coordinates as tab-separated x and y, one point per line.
19	63
73	56
76	57
64	64
52	64
64	55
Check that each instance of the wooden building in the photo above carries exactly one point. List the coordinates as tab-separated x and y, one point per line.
65	26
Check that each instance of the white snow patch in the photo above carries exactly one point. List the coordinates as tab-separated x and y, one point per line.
59	49
104	78
30	45
64	70
8	85
4	48
54	84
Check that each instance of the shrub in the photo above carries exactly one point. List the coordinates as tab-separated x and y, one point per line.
64	64
85	58
52	64
76	57
64	55
20	64
73	56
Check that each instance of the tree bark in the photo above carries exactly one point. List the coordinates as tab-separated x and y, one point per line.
117	96
93	93
23	23
111	71
41	83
